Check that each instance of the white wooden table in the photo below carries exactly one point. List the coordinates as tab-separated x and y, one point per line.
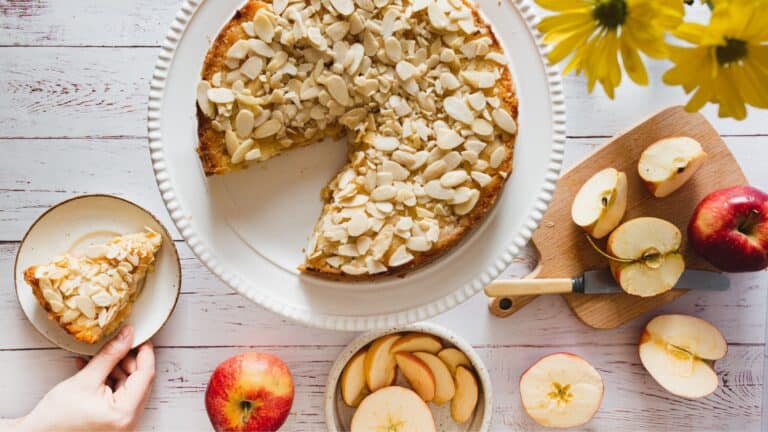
74	77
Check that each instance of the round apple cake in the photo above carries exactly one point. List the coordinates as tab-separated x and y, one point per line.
422	91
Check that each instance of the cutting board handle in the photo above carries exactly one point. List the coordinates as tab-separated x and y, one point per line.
505	306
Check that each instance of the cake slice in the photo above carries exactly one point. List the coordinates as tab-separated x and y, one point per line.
90	295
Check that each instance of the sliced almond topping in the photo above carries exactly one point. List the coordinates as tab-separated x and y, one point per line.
86	306
482	127
363	243
242	151
462	195
497	157
481	178
206	106
238	51
399	257
466	207
337	30
262	27
435	170
452	160
479	79
384	193
230	139
244	123
436	16
447	139
344	7
354	269
261	48
220	95
268	128
458	109
435	189
418	244
449	81
252	67
399	173
453	178
405	70
496	57
338	90
393	50
374	266
504	121
476	101
385	143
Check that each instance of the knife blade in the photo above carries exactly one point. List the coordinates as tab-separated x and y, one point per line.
599	282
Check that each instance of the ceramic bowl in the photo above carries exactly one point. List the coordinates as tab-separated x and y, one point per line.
75	224
338	415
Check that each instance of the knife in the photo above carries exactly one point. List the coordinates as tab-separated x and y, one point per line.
598	282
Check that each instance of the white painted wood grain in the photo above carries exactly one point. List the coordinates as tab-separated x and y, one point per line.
102	92
633	401
209	313
43	172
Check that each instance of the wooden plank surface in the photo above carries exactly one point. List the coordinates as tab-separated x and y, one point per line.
73	90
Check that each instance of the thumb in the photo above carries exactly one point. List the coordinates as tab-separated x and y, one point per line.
98	369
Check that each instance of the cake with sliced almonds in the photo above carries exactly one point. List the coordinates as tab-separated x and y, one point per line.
90	295
420	88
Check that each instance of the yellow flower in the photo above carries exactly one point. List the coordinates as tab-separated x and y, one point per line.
728	64
597	31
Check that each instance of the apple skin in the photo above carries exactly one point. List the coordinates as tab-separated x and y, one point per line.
714	230
249	392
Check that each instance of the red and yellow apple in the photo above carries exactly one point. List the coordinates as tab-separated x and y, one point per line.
730	229
249	392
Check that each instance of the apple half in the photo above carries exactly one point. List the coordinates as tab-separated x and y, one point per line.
644	256
601	202
465	400
418	374
418	342
668	163
679	352
445	387
454	358
353	385
393	409
379	365
561	390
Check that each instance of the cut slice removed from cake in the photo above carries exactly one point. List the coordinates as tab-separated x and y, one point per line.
90	294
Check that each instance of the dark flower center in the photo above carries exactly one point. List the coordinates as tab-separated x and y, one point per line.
733	51
610	13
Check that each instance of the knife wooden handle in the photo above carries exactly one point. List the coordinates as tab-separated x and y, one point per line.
520	287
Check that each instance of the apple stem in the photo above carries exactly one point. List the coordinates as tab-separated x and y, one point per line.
745	227
605	254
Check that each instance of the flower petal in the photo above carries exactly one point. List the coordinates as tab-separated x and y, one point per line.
633	64
563	5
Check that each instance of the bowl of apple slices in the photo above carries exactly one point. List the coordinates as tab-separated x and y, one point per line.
420	377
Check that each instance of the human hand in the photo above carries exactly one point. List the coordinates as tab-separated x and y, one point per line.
108	394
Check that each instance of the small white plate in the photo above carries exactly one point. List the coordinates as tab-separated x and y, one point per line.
338	416
78	222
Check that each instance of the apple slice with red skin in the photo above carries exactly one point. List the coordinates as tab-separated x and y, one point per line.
454	358
379	365
561	390
679	351
418	374
445	388
249	392
413	342
730	229
465	400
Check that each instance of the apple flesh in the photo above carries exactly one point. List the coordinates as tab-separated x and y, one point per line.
679	350
454	358
668	163
249	392
445	387
730	229
393	409
353	386
465	400
561	390
379	365
644	256
601	202
418	342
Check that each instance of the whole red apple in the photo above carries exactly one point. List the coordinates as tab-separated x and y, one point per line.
249	392
730	229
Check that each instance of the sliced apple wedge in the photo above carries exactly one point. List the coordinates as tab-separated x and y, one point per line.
418	342
353	386
444	385
393	409
379	365
418	374
679	350
561	390
454	358
644	256
464	402
600	203
668	163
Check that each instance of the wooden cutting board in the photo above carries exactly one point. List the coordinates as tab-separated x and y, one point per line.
563	247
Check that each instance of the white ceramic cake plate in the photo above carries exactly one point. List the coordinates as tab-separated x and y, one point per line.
249	227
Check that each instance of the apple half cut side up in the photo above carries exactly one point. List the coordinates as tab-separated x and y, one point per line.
393	409
561	390
668	163
601	202
678	351
644	256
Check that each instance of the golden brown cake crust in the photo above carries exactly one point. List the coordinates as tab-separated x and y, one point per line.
215	160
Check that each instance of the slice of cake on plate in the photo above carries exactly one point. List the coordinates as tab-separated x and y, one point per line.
90	295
